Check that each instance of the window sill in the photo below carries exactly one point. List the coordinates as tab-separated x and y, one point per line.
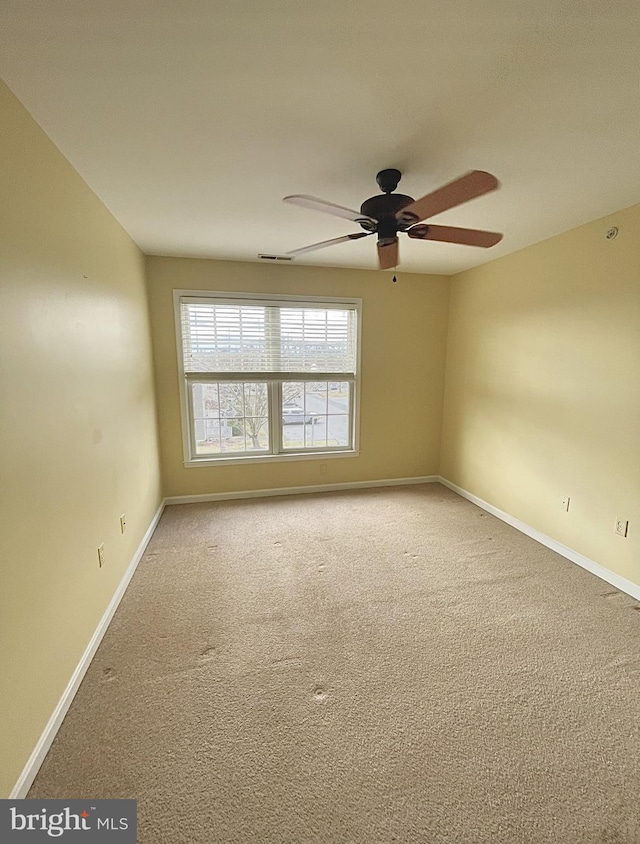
267	458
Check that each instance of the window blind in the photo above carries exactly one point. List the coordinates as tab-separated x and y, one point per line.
261	339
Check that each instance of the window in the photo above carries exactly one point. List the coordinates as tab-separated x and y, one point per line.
267	378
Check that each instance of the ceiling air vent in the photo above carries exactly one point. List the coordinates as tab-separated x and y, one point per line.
275	257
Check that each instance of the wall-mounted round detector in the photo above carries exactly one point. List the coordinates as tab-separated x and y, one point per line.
613	231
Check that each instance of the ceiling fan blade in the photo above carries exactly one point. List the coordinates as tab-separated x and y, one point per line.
453	234
473	184
388	255
323	243
328	207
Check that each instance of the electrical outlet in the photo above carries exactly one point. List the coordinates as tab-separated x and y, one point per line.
323	468
123	523
101	554
622	526
564	503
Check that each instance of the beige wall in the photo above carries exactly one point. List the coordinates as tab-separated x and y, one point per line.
403	347
542	394
78	442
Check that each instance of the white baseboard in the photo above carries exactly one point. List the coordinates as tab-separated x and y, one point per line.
36	759
603	573
297	490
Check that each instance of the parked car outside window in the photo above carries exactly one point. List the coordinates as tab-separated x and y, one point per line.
294	415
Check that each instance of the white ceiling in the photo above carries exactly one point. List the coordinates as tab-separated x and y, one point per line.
191	119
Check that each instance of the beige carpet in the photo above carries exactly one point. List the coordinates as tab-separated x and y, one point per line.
372	666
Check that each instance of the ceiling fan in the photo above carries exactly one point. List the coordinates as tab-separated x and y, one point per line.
390	213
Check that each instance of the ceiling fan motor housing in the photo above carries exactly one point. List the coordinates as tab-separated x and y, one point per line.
383	208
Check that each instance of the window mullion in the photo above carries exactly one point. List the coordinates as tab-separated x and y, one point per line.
275	412
274	364
191	417
352	406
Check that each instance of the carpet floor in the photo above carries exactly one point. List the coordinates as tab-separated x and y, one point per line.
382	665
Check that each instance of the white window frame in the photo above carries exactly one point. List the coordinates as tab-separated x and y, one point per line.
190	459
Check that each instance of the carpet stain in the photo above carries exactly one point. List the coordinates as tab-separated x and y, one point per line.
319	694
208	653
624	663
613	837
618	597
109	673
286	662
